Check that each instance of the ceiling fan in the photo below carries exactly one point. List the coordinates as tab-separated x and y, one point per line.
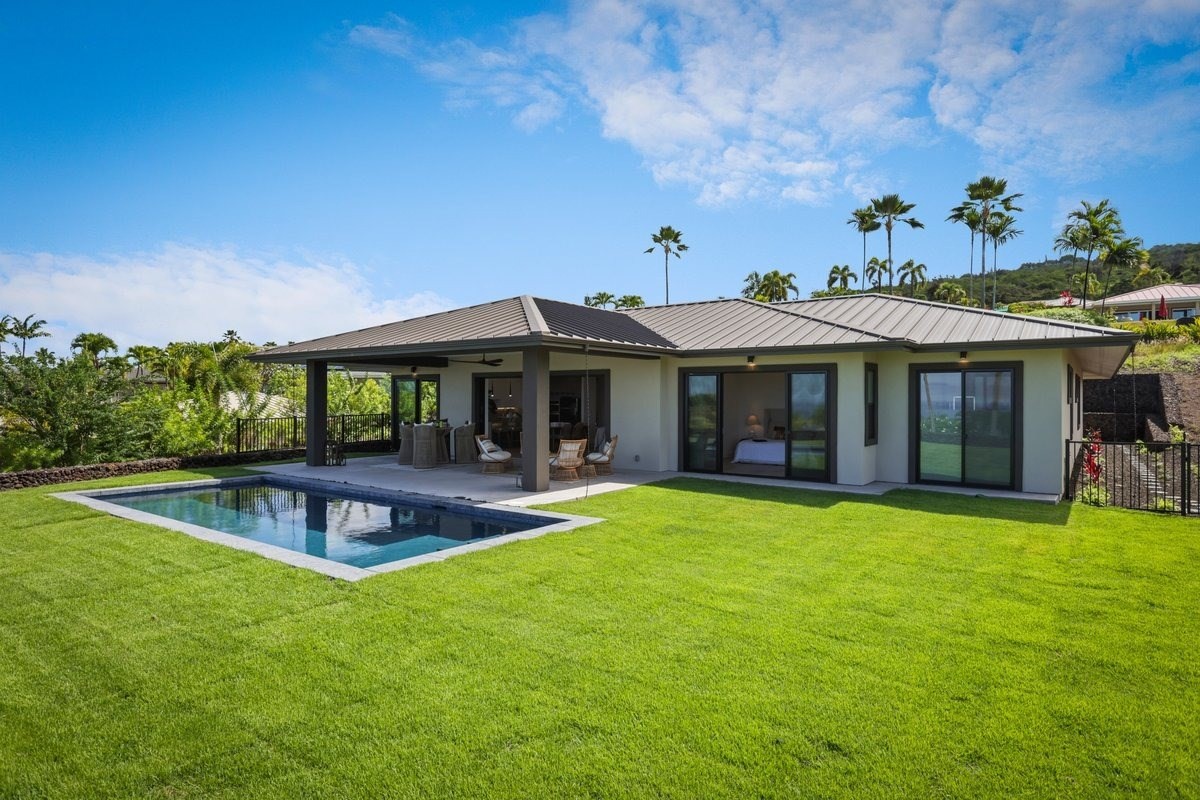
488	362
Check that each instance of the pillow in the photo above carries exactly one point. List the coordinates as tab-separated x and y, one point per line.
489	446
608	450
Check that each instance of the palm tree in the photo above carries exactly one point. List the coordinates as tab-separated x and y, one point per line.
988	196
841	276
1071	238
912	274
671	242
968	214
629	301
873	274
145	358
751	286
26	329
776	285
91	345
231	336
950	292
890	209
599	299
1151	276
5	330
1121	253
1101	225
1002	228
864	221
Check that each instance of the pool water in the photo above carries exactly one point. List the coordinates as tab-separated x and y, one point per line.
360	532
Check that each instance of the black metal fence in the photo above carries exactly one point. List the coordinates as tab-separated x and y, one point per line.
1143	476
286	433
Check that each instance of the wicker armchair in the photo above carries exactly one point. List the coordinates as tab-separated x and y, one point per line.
603	459
564	466
494	459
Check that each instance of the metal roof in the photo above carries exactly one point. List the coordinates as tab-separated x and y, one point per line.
597	325
512	322
1168	291
851	322
741	324
922	324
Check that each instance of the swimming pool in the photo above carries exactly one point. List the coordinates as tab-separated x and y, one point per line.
321	525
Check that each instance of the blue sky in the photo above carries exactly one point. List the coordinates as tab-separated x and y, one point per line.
288	170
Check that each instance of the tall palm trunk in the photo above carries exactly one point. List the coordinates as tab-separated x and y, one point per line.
983	255
971	268
667	274
995	271
1087	274
864	267
889	235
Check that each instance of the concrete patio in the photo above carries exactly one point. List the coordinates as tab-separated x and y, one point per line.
466	482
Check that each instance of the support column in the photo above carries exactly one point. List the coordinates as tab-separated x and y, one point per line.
316	411
535	419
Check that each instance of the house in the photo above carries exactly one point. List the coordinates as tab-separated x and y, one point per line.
847	390
1182	300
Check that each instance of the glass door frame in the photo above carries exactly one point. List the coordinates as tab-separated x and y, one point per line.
1016	451
831	372
417	379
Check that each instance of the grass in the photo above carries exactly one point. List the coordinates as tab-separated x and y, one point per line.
709	640
1168	356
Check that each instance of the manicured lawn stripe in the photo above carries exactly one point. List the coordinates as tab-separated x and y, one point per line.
707	640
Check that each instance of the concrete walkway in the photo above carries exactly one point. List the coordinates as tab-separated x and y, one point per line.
466	482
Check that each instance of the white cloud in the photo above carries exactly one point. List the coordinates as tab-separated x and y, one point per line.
763	99
184	292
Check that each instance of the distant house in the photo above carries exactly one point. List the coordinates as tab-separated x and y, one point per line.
1182	300
846	390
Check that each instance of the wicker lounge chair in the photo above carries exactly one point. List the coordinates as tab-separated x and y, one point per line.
405	455
564	466
494	459
602	460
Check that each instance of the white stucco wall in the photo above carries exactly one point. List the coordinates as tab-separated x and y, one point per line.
644	410
1044	415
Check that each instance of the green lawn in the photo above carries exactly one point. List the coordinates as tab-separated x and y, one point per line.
708	640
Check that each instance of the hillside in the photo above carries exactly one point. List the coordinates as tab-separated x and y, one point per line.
1042	280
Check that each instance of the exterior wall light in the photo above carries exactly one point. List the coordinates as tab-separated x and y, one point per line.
750	362
962	357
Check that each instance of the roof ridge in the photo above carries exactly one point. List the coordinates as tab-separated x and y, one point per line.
533	315
988	312
842	325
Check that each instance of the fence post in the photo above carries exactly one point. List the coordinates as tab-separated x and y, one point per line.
1067	470
295	433
1185	494
342	437
237	447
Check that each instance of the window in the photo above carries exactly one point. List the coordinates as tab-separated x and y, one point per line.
871	403
966	425
1070	395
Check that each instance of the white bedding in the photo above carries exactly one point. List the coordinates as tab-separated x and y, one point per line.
749	451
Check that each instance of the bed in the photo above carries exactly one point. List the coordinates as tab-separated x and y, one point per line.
760	451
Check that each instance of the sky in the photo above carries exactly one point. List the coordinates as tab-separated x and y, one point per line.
170	171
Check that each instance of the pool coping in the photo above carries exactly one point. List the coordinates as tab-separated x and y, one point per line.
556	522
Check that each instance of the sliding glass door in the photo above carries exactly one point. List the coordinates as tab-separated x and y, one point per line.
966	427
771	422
808	434
701	440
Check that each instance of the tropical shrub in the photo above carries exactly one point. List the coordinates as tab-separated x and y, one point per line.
1083	316
1155	330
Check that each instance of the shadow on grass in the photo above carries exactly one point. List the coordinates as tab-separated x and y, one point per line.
1028	511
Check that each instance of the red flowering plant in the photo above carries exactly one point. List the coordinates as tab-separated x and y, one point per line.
1093	466
1068	299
